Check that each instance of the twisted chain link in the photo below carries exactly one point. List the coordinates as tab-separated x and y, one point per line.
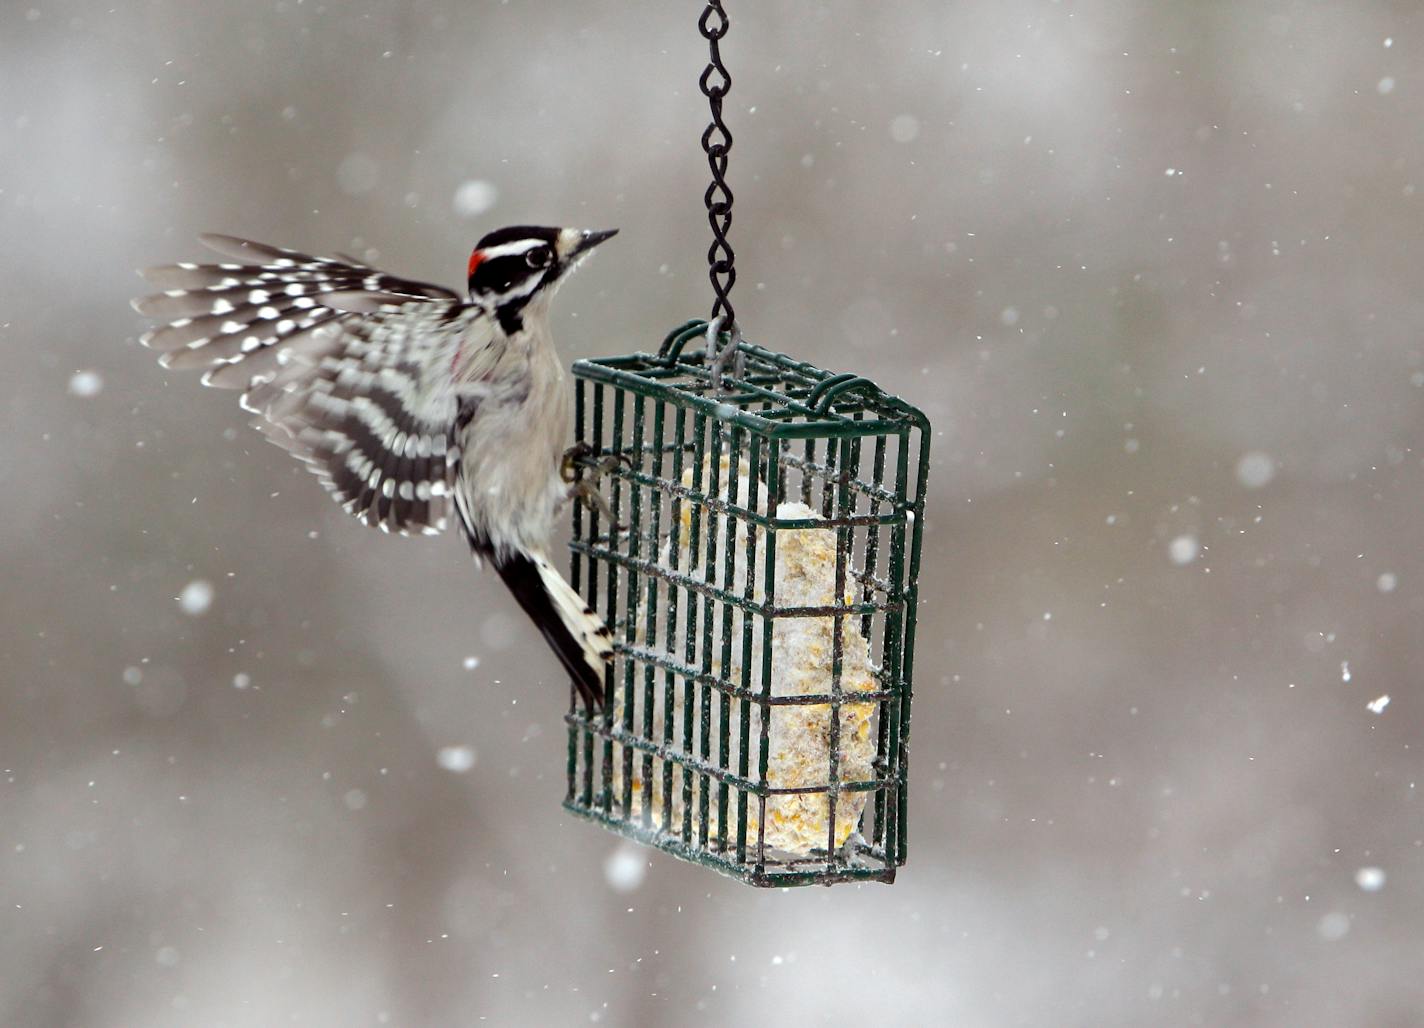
715	83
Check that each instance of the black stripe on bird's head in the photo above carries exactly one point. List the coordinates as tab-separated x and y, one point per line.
513	266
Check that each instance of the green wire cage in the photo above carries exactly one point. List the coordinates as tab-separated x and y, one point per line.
760	578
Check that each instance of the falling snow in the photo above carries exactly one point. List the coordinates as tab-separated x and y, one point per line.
474	197
1255	469
86	384
458	759
1386	582
626	867
1344	670
1183	549
1371	879
196	597
1377	705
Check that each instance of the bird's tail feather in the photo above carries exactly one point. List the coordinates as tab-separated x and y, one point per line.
576	634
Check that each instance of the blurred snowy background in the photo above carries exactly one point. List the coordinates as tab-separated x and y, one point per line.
1154	271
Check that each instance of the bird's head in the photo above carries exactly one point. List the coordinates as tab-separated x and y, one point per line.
514	267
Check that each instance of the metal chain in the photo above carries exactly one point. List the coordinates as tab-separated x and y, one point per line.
717	143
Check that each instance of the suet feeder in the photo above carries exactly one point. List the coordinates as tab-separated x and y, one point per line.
761	583
758	566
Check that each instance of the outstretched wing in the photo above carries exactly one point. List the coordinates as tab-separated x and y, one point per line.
346	367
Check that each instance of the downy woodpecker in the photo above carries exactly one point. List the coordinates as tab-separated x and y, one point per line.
407	402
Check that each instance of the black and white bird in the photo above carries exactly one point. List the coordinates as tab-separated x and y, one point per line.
408	403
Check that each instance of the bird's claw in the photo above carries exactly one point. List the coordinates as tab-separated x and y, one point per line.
611	463
581	451
568	467
585	489
586	492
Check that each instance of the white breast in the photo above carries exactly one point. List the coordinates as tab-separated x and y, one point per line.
509	487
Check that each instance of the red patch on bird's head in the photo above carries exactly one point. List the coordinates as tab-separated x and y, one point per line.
475	259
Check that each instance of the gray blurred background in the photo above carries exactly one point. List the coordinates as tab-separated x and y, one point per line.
1152	270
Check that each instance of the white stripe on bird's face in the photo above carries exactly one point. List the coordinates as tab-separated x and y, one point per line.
519	246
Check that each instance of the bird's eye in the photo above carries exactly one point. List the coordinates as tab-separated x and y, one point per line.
539	257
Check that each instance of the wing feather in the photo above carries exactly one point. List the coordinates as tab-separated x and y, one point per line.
346	367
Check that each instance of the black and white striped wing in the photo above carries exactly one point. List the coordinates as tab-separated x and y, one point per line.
346	367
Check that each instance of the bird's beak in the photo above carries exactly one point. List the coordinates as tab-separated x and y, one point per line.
592	239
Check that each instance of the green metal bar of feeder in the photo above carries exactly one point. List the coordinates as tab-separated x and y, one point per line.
729	563
593	569
734	781
744	708
851	480
829	479
714	593
610	616
671	350
775	486
735	692
822	388
631	610
882	721
806	477
580	428
763	520
851	485
872	491
709	570
689	695
791	876
911	609
872	541
575	576
756	385
691	325
650	624
674	549
817	426
843	541
893	642
779	493
724	775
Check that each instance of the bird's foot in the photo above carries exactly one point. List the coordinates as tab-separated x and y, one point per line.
585	491
568	467
579	452
584	488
